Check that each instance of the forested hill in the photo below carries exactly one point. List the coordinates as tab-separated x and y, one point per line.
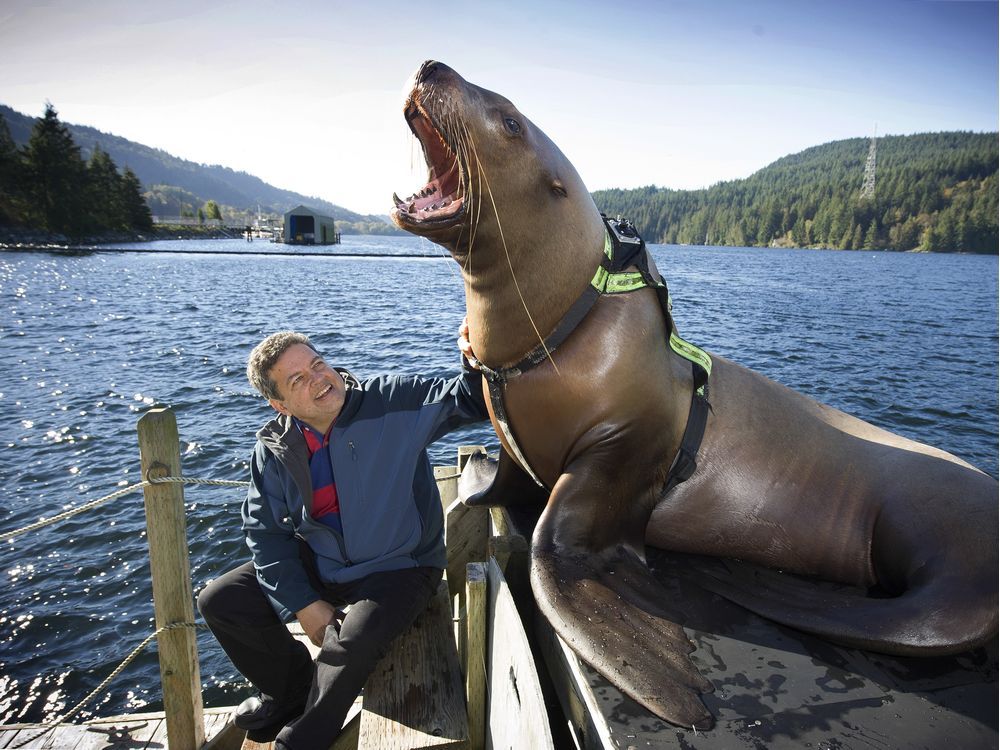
934	191
174	185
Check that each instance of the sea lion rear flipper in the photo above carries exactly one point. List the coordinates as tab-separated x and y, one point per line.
611	611
925	620
488	481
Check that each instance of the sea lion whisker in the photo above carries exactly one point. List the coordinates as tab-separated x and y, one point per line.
510	265
479	191
458	131
473	200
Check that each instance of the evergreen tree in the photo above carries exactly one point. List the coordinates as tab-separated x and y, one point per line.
10	172
54	177
105	193
136	211
871	237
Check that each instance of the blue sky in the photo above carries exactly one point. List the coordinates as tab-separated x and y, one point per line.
308	95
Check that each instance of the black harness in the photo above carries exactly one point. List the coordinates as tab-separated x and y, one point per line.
623	249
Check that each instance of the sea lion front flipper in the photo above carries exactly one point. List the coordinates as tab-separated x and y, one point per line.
489	481
611	611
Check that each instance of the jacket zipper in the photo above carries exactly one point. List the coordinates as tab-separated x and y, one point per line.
343	525
341	537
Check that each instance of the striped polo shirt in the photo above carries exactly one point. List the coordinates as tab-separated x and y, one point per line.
325	505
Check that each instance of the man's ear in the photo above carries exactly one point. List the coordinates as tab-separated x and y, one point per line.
278	406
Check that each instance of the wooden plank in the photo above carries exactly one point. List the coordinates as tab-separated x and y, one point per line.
221	733
467	532
516	706
475	652
586	719
414	698
504	548
446	478
100	735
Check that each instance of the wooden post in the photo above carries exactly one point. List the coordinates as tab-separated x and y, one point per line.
466	533
476	604
173	602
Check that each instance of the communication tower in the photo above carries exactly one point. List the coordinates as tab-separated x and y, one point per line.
868	185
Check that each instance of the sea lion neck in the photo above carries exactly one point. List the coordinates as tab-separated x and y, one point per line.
514	304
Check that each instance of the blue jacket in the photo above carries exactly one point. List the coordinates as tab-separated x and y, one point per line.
389	502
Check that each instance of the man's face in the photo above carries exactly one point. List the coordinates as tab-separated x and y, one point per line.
310	389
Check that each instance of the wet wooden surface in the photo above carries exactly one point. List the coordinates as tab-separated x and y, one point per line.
777	688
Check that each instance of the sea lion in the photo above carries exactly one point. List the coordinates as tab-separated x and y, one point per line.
600	412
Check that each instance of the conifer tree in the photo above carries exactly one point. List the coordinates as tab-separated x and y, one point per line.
54	177
136	211
105	193
10	169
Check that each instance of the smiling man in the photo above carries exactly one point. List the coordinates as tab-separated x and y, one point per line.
342	510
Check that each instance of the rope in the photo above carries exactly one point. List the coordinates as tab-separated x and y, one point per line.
118	493
107	681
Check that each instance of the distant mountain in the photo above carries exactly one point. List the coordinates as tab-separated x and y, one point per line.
932	191
173	184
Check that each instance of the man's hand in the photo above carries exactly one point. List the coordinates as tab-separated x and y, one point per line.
465	346
314	619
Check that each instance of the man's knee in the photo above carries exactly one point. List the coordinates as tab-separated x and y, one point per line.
225	595
211	600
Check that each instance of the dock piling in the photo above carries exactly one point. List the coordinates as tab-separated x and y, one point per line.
173	602
476	605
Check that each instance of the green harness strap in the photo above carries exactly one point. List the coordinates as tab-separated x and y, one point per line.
622	282
611	279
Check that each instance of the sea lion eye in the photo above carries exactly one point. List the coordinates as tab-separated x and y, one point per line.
512	125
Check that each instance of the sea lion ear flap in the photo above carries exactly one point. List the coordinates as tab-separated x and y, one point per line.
558	188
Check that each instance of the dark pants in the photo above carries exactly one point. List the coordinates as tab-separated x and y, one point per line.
383	605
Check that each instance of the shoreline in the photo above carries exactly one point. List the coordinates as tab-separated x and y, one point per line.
18	239
22	238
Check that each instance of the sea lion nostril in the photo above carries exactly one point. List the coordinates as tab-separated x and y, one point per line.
428	70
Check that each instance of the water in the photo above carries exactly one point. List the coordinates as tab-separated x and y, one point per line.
90	342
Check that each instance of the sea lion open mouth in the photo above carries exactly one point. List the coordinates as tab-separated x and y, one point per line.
441	202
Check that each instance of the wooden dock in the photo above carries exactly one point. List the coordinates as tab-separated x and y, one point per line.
482	669
137	731
461	678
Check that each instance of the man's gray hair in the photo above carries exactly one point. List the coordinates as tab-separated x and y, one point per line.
266	354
